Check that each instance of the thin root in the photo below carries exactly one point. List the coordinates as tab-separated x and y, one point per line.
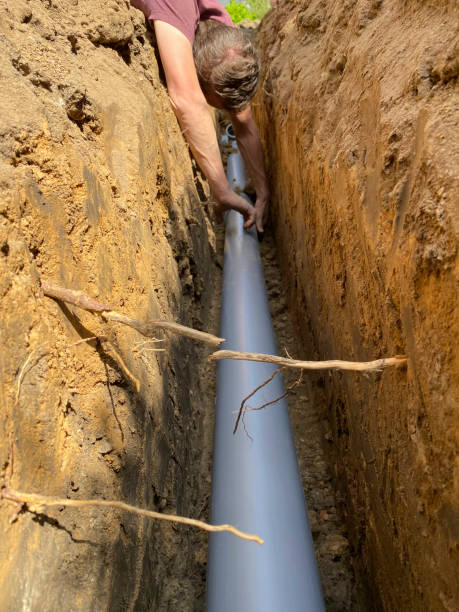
286	392
109	348
263	384
36	503
80	299
23	370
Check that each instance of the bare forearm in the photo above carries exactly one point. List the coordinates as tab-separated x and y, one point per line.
198	128
191	109
199	131
252	152
249	143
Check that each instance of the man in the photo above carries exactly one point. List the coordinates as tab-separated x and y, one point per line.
208	61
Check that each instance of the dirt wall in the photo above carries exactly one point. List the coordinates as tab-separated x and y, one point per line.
358	111
97	193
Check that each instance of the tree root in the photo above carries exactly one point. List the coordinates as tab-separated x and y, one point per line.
243	410
252	393
36	503
80	299
38	353
357	366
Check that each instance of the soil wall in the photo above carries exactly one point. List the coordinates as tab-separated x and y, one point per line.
358	111
97	193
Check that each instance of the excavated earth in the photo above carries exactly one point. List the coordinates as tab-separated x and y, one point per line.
358	110
98	193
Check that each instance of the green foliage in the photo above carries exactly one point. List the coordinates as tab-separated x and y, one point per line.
259	7
250	9
239	11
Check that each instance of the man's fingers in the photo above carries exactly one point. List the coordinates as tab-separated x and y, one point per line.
261	211
249	218
259	224
248	224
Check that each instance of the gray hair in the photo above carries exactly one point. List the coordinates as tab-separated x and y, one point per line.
226	62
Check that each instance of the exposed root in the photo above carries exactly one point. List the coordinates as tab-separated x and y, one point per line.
357	366
288	362
22	374
286	392
85	340
36	503
243	411
109	348
142	347
263	384
80	299
147	329
73	296
24	369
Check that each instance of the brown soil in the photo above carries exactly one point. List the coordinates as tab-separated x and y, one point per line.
358	111
98	193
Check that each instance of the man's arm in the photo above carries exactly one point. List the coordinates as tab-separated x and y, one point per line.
191	109
249	144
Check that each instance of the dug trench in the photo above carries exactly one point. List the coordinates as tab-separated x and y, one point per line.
99	194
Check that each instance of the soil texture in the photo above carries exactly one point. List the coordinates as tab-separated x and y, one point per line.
97	193
358	110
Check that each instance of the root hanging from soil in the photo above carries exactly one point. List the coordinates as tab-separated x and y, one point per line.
251	394
36	503
37	353
243	410
357	366
80	299
110	349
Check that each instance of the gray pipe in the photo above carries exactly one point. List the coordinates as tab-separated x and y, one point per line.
255	482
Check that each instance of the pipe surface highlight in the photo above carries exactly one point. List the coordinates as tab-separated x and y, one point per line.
255	482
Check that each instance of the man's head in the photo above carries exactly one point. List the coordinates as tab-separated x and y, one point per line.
227	65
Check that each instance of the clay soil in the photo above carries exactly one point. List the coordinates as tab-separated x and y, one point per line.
98	193
358	111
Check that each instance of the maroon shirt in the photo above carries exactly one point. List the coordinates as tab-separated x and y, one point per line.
184	15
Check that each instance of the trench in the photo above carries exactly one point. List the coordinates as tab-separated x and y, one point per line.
312	436
358	117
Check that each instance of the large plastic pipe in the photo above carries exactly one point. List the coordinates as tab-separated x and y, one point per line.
255	482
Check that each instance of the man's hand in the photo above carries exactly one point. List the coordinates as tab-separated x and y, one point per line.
261	213
230	200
